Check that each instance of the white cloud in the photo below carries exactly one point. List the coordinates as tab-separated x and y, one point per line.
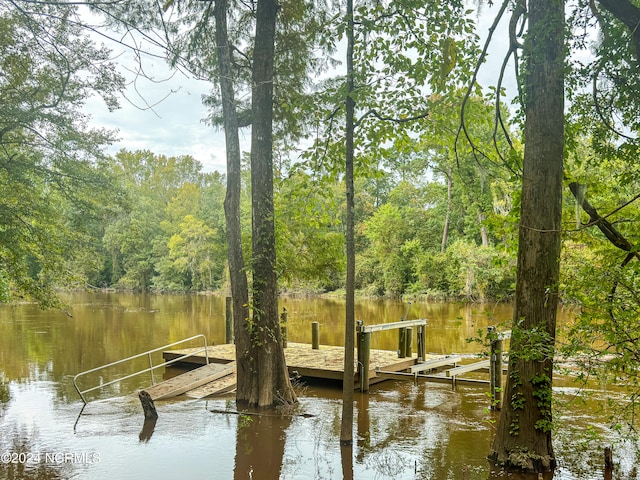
162	112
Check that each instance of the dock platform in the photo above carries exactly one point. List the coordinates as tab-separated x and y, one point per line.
327	362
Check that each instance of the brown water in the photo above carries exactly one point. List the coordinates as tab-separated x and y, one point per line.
402	431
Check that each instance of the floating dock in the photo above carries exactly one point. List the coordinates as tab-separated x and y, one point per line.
213	371
326	362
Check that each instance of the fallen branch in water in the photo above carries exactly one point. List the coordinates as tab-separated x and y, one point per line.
258	414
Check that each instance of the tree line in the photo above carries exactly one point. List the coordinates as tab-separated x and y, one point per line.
162	229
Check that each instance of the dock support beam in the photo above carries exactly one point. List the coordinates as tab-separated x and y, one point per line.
228	320
401	342
315	335
495	369
364	355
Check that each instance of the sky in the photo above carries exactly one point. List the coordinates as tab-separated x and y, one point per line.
174	125
163	113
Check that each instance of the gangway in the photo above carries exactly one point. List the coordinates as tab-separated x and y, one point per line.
151	368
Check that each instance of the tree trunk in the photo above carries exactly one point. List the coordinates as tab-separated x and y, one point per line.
523	437
484	236
447	218
269	383
346	431
237	274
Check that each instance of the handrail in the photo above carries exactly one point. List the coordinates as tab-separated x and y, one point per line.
150	369
392	326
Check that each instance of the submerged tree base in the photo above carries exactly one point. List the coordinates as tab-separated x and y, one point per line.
522	461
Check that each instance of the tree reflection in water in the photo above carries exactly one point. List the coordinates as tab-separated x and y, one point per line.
260	442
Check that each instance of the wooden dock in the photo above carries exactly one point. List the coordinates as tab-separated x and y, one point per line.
326	362
219	376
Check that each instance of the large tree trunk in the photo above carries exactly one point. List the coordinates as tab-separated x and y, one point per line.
523	437
346	431
237	274
269	383
447	218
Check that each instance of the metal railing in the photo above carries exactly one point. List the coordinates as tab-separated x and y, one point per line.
150	369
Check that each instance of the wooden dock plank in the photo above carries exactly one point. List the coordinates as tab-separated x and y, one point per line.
217	387
188	381
392	326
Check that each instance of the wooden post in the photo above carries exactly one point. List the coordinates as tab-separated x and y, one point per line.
283	326
315	335
495	369
359	327
147	405
365	349
228	320
401	343
608	463
408	342
422	343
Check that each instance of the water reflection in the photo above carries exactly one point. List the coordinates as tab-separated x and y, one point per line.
403	431
346	456
260	443
148	427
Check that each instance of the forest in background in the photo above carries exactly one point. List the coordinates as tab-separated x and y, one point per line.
424	226
161	228
437	197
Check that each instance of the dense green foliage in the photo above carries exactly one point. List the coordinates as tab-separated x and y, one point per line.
53	184
167	234
434	215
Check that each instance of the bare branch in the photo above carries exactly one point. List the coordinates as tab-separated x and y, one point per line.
375	113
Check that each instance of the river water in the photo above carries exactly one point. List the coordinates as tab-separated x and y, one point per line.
401	431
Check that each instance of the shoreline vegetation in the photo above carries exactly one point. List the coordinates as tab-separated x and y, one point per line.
287	292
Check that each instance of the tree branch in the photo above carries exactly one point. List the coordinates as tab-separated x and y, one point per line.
609	231
374	112
629	15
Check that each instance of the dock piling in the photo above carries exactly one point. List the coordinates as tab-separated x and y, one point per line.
401	343
364	355
422	342
315	335
408	342
148	406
